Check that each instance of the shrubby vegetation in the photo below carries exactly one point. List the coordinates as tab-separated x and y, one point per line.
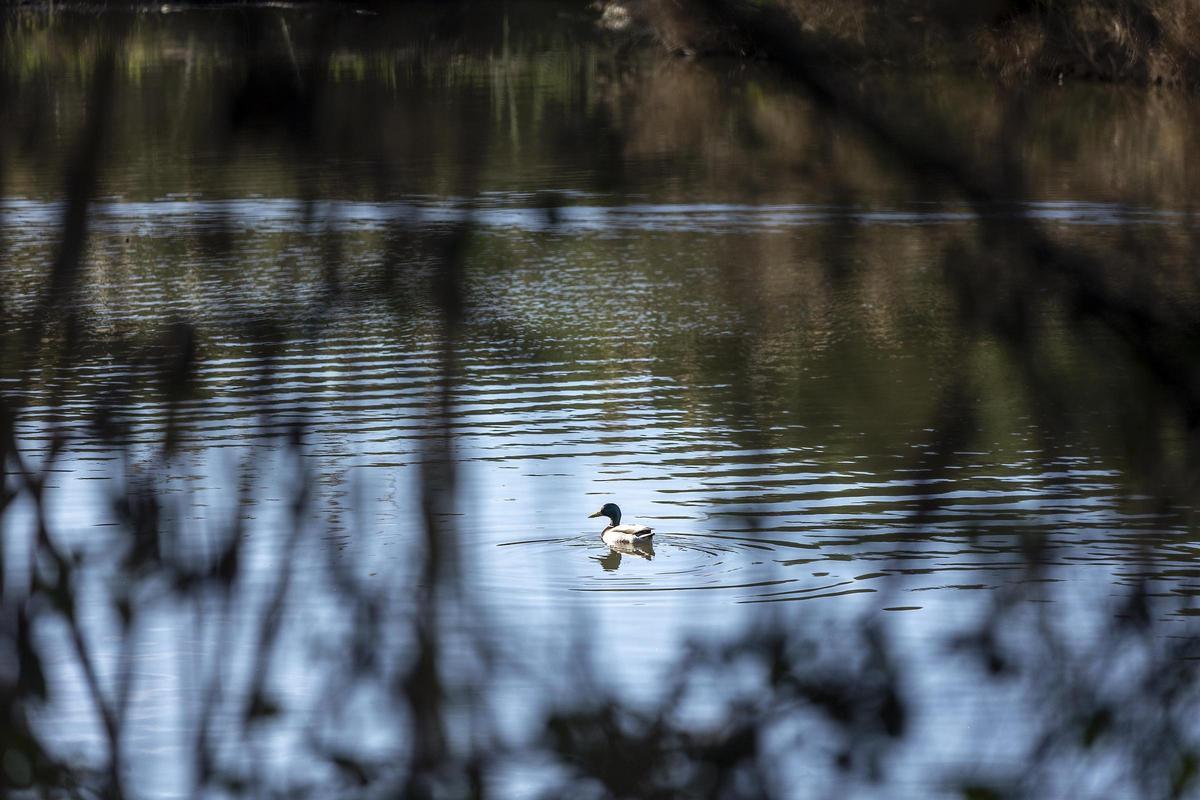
1139	41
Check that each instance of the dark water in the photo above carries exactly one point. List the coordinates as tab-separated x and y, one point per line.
718	313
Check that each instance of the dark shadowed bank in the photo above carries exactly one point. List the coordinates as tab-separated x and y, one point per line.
407	683
1139	41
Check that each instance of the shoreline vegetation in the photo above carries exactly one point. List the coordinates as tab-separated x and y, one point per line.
1136	42
1142	42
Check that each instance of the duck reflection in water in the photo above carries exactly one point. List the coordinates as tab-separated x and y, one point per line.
611	560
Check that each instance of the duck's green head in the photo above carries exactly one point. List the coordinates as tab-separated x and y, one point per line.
609	510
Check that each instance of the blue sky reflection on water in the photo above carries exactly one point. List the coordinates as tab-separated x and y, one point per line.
746	532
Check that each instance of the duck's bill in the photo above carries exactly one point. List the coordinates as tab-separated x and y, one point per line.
594	515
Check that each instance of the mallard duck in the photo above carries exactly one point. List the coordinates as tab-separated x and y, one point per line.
616	533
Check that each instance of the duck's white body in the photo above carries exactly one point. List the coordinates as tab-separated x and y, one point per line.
616	533
626	534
